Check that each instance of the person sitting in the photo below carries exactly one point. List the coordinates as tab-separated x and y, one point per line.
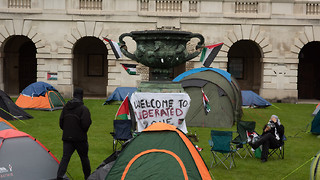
270	138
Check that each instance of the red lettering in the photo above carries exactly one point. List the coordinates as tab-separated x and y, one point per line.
157	112
179	112
144	114
139	117
150	112
171	111
163	112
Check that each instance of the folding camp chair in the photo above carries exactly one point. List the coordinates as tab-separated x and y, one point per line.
121	133
221	148
241	140
279	151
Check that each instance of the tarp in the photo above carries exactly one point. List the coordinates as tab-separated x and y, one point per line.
161	151
250	98
120	93
24	157
37	89
196	70
9	110
222	91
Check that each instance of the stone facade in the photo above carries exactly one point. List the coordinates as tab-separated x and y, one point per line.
279	29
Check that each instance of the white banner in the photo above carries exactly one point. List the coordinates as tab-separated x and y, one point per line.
170	108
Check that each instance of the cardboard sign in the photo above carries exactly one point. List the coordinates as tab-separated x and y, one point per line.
170	108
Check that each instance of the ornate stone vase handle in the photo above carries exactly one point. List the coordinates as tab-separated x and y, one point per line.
124	48
198	46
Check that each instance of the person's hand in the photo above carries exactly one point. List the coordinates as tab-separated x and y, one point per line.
267	129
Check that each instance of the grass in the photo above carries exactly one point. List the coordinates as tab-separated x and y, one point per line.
300	146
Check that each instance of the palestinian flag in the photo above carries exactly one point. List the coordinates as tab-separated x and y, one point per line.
206	105
130	68
209	53
123	111
115	47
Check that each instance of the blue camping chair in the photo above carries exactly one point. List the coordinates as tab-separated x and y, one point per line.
278	151
121	133
221	148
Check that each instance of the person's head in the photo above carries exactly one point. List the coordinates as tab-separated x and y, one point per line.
78	93
275	119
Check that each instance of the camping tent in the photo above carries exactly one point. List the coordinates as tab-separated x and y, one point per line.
161	151
9	110
24	157
120	93
316	110
42	96
222	91
250	98
315	124
5	125
315	168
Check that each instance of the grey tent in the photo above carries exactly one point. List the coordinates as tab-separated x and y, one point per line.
5	125
24	157
222	91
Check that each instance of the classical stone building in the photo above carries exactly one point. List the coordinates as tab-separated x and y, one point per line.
271	46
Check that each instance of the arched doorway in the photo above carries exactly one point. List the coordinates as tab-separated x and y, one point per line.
90	66
19	64
244	63
308	71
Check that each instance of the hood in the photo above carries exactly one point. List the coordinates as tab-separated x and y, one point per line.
73	103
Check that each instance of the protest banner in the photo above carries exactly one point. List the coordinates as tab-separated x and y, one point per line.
170	108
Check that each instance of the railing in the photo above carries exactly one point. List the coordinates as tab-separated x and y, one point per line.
168	6
91	4
144	5
312	9
25	4
193	6
246	7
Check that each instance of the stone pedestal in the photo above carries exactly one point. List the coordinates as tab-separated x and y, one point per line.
160	87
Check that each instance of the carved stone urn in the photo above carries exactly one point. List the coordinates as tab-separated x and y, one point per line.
161	50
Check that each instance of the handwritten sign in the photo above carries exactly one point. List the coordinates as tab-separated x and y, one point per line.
170	108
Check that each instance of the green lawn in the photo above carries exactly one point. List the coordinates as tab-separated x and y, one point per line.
300	146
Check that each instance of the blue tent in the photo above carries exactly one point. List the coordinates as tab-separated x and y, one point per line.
120	93
37	89
250	98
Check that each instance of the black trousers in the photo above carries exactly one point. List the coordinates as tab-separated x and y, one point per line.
267	141
68	149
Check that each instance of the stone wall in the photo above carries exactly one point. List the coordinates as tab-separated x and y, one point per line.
279	29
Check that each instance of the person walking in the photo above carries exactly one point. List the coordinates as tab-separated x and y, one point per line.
75	120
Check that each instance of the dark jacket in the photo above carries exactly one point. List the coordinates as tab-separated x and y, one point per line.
75	120
275	129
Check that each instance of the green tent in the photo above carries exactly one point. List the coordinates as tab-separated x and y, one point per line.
161	151
222	91
315	168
